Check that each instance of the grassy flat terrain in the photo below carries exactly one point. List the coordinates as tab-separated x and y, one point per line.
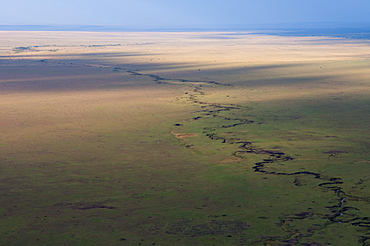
183	139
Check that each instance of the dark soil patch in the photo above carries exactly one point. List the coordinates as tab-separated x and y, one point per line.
334	152
190	229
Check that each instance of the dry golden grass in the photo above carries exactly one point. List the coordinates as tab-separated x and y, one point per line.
184	135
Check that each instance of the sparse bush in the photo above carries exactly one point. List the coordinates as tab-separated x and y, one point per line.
21	48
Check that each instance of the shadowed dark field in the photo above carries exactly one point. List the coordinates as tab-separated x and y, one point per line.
182	139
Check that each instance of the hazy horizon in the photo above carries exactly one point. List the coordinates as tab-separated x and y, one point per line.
338	30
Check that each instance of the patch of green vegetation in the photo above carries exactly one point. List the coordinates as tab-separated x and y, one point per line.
318	135
288	171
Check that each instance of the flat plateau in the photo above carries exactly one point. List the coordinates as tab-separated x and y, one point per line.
203	138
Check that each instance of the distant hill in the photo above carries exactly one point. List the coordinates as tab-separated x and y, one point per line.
340	32
350	31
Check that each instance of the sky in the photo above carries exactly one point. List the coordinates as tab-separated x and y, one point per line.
182	13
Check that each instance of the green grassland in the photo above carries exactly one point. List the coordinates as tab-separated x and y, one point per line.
99	152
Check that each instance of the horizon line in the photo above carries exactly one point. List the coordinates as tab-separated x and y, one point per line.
120	27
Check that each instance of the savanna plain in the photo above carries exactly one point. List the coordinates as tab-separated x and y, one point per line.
174	138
